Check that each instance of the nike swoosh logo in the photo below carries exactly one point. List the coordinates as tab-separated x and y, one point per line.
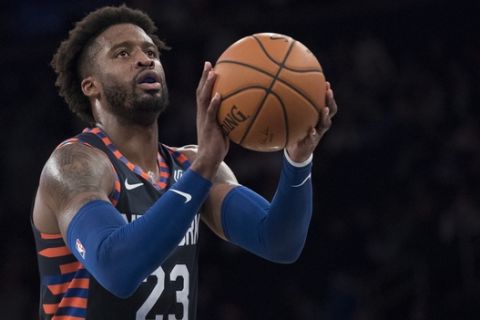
303	182
187	196
129	186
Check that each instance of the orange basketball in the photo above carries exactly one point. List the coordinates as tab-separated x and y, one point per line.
272	88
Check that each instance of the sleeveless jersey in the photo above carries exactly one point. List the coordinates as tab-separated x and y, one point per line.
69	292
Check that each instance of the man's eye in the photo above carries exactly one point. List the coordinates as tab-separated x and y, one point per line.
122	54
151	54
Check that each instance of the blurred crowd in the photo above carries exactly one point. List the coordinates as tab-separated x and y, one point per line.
396	226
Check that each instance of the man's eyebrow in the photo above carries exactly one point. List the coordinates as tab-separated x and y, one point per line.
144	44
121	44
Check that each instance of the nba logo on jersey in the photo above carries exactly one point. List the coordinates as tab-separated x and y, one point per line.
80	248
177	174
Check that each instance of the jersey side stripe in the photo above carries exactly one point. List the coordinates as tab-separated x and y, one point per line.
67	318
76	302
72	298
68	306
50	308
55	252
76	292
70	267
57	289
50	236
72	311
57	279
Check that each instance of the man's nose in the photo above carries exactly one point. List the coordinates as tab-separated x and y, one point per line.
144	61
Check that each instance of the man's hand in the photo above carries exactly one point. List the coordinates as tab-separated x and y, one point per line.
213	145
301	150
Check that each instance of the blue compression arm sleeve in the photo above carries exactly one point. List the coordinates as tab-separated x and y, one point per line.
275	231
121	255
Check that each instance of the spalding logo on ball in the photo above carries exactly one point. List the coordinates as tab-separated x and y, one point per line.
272	88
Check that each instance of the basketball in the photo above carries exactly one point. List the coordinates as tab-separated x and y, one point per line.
273	89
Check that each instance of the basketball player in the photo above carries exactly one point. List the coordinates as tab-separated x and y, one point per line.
116	213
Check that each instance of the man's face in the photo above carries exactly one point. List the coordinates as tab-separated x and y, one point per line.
130	73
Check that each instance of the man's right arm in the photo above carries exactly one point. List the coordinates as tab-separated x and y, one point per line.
74	187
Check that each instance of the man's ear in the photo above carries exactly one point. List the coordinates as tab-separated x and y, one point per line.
90	87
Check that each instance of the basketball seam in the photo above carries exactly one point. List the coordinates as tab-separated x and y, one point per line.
231	94
303	94
278	64
319	70
266	52
268	91
285	118
303	70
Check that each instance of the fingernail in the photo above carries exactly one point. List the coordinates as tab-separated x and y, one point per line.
210	74
216	96
205	66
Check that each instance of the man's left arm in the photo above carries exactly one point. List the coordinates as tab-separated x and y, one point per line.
274	230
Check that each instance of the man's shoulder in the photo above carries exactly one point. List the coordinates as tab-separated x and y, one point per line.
74	152
74	166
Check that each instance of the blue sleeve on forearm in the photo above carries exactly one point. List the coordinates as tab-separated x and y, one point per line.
121	255
277	230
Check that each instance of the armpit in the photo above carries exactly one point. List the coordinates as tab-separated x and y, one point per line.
224	173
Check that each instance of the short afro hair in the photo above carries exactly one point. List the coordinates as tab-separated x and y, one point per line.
68	60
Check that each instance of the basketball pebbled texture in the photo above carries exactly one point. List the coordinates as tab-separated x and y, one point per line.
272	89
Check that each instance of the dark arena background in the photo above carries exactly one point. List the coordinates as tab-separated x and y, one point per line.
396	224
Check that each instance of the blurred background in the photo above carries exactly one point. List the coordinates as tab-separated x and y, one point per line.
395	232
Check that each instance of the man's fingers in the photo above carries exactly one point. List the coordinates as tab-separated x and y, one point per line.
311	139
327	118
330	101
206	91
328	112
206	69
214	106
325	121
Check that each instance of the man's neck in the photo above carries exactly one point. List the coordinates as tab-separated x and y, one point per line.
139	144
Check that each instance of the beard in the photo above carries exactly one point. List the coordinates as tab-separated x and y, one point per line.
131	107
